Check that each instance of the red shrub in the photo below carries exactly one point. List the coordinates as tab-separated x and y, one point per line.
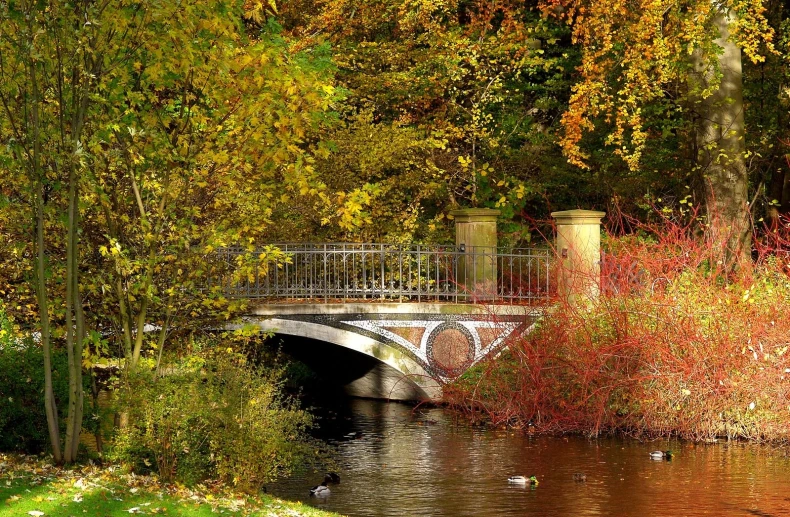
675	344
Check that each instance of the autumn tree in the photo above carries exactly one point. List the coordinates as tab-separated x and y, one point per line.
49	63
634	55
449	104
202	141
138	137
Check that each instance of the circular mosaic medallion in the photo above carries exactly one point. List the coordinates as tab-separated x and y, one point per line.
450	349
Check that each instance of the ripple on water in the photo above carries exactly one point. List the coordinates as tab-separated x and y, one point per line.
409	462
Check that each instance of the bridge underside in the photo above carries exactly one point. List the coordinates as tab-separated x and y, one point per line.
420	347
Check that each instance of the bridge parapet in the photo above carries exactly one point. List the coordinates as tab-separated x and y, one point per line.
392	273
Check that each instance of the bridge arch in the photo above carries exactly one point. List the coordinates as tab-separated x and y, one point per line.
420	347
413	381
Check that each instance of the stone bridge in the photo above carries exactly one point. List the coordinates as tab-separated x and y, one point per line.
402	321
417	346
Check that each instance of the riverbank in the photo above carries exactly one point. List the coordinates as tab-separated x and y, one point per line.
673	345
395	460
32	485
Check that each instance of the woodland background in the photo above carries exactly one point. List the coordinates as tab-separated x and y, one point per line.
140	136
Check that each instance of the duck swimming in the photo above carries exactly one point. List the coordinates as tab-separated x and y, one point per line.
523	480
580	476
320	490
332	477
660	455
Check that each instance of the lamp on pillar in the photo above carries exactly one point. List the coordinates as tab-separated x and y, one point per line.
476	240
578	244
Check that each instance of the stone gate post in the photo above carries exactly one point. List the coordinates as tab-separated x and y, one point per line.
578	244
475	237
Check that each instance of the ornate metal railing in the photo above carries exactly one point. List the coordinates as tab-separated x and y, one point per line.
386	272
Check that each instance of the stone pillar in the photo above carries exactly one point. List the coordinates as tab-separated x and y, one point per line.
475	237
578	253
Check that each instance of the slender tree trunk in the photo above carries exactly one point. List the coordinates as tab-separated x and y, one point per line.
138	338
96	410
149	271
50	407
126	323
74	325
80	335
163	335
721	150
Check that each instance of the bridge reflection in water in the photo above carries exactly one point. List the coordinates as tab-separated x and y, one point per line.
394	461
425	313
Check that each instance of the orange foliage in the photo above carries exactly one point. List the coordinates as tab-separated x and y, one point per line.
633	51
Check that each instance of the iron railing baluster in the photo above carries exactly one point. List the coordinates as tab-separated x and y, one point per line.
386	272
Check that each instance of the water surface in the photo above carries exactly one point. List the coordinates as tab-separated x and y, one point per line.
396	461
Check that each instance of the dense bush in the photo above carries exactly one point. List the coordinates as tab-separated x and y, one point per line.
23	424
679	347
213	416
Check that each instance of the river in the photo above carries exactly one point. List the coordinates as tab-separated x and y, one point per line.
398	461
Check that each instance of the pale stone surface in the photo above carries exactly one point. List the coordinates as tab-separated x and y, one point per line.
475	229
578	245
408	327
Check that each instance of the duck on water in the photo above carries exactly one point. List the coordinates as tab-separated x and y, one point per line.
522	480
660	455
322	490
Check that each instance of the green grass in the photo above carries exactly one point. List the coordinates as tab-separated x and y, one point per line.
33	485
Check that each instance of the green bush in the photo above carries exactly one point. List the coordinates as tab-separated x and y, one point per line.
23	424
212	416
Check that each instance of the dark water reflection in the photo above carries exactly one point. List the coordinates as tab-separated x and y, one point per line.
422	463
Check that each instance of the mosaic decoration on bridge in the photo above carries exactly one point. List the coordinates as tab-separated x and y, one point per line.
445	345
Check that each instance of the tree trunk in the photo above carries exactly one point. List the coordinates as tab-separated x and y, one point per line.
74	325
126	323
50	408
140	335
721	150
163	335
